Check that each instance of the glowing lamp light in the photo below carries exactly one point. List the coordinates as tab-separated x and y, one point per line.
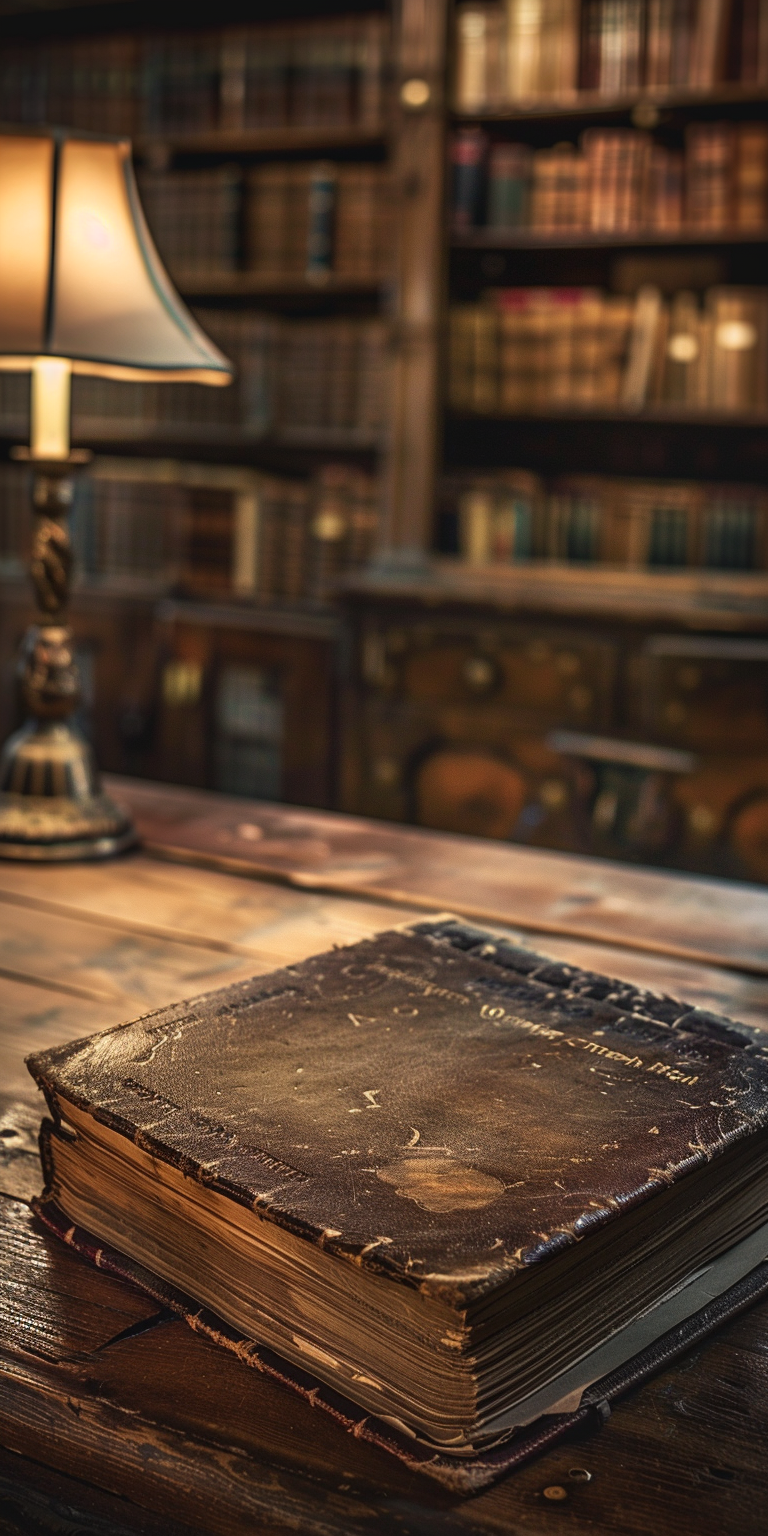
82	291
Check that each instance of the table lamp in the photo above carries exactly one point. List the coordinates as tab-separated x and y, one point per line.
82	290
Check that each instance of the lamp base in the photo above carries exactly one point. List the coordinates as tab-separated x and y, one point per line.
51	806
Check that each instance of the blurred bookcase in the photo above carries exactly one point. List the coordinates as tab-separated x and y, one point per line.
479	537
608	232
573	668
264	153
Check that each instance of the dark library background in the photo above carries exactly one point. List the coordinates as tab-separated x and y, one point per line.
478	539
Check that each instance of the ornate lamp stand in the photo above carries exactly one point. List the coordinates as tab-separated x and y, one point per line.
51	803
82	290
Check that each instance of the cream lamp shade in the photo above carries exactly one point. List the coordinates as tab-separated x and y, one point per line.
82	288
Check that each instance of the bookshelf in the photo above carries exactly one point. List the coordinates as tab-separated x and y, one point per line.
528	631
211	532
584	154
435	657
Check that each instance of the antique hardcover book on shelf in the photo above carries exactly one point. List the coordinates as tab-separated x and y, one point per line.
457	1194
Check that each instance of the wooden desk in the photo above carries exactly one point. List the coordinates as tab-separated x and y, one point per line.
115	1418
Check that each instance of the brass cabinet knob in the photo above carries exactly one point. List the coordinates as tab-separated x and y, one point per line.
480	674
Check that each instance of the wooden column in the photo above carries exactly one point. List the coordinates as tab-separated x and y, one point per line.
418	165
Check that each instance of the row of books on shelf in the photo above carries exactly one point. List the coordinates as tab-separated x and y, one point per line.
266	537
618	179
524	350
328	73
294	379
309	534
313	221
526	50
513	516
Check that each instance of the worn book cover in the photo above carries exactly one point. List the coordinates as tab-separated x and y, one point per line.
482	1185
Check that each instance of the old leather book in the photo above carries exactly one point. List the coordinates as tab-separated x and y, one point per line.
438	1183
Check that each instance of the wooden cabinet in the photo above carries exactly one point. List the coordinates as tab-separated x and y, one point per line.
586	726
707	693
246	701
541	678
226	697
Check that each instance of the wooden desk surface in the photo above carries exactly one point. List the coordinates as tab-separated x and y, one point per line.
115	1418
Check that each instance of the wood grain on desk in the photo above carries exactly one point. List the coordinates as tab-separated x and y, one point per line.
115	1418
556	894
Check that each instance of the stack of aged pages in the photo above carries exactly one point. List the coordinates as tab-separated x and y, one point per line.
431	1178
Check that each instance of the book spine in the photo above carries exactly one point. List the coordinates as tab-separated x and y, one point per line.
509	186
641	348
232	87
747	44
750	193
658	57
613	36
709	43
510	516
664	190
475	517
709	175
209	540
371	58
468	152
590	33
245	542
471	89
328	530
524	43
683	21
320	235
363	235
266	81
295	542
762	42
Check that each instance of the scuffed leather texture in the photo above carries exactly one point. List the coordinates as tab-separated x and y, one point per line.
433	1104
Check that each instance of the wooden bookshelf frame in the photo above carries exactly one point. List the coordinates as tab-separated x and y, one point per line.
688	599
682	415
246	285
263	141
590	104
418	157
588	239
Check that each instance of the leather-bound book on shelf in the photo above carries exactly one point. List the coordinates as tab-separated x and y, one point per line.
456	1194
